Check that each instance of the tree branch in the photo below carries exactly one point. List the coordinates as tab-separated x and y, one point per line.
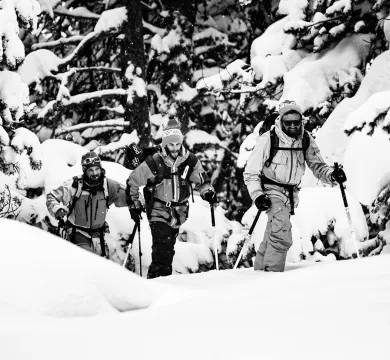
59	42
114	123
78	13
80	99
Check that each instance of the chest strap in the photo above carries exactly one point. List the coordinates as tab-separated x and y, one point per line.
289	188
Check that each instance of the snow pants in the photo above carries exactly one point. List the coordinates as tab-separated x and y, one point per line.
272	252
86	243
164	239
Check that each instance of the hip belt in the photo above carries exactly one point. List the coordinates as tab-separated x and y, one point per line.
288	187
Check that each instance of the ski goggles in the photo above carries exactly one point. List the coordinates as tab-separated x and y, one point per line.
91	161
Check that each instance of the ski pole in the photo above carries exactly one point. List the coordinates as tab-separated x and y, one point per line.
353	235
215	242
61	224
130	242
247	238
139	249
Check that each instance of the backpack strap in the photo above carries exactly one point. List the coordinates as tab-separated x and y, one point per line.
305	143
78	184
274	146
157	166
106	192
187	168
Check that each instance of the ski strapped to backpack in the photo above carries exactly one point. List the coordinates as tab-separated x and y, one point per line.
274	147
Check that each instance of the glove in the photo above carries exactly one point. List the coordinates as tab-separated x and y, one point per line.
60	214
339	175
263	202
209	196
136	210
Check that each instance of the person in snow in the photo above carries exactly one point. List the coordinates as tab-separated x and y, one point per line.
168	175
273	182
84	201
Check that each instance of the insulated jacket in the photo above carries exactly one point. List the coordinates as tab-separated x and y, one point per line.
90	209
287	166
173	189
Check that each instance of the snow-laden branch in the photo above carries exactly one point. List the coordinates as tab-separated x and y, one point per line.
80	99
80	12
114	123
126	140
154	29
62	41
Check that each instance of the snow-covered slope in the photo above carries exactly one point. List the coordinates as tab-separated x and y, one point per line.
338	310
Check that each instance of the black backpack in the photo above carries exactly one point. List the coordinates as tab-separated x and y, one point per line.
274	148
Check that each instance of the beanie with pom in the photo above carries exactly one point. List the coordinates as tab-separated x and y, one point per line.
172	132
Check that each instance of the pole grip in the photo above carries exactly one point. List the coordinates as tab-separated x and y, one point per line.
336	167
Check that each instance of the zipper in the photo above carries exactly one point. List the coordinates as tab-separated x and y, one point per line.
90	223
97	206
292	158
174	181
86	209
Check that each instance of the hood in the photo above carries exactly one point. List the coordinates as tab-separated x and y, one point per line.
282	135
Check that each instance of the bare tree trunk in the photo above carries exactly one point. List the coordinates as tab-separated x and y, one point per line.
133	53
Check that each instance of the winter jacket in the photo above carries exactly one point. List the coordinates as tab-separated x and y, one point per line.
287	166
90	209
172	189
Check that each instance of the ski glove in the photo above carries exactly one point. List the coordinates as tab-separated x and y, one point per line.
339	175
60	214
136	210
209	196
263	202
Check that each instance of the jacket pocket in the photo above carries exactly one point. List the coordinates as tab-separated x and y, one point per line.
279	166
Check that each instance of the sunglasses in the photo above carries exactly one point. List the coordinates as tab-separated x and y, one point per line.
292	122
89	161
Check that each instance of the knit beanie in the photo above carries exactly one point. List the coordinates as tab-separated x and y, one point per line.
287	106
172	132
90	159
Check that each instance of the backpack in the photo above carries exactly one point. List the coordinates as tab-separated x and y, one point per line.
162	171
274	148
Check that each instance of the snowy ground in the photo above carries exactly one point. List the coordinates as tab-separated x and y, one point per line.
338	310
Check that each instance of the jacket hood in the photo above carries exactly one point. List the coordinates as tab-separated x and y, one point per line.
282	135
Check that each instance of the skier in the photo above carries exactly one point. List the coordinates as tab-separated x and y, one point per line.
168	175
272	176
84	201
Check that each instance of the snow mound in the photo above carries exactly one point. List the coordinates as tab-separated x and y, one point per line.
45	275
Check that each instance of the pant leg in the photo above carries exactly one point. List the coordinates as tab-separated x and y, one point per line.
164	239
83	242
279	238
259	260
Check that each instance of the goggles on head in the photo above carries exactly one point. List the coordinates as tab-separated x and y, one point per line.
91	161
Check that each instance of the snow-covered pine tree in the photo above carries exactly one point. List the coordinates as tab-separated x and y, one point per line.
19	147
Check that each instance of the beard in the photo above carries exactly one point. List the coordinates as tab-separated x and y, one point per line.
93	180
293	132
